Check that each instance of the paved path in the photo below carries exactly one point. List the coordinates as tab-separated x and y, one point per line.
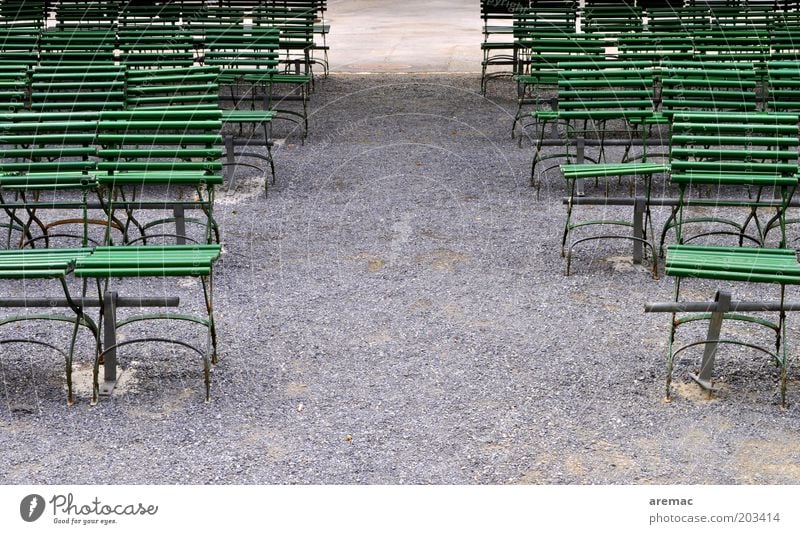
409	36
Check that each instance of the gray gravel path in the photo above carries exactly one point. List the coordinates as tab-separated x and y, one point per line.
396	312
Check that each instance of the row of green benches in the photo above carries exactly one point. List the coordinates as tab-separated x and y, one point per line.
732	163
548	54
58	161
113	87
601	98
177	32
625	24
134	138
245	58
679	37
111	155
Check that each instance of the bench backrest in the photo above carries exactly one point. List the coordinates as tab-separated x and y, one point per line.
612	18
544	54
605	89
735	147
746	16
19	45
149	14
733	45
155	46
188	87
296	27
494	12
46	144
13	87
86	15
23	14
707	86
77	88
656	47
77	47
670	19
785	43
552	18
239	50
784	86
156	146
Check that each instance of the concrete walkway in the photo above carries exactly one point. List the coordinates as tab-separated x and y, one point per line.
410	36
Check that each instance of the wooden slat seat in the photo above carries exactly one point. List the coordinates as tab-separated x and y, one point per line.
148	261
738	264
39	263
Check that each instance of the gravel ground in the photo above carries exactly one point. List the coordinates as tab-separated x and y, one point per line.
396	312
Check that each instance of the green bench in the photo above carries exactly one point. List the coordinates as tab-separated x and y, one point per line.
102	264
784	86
530	20
173	88
775	267
43	155
593	95
707	85
249	57
145	151
497	23
640	222
198	88
600	101
316	11
123	262
40	265
756	152
258	55
296	45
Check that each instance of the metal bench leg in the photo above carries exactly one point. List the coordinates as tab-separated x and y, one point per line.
268	144
110	341
673	326
231	161
207	283
71	354
180	224
580	152
638	230
703	378
780	347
